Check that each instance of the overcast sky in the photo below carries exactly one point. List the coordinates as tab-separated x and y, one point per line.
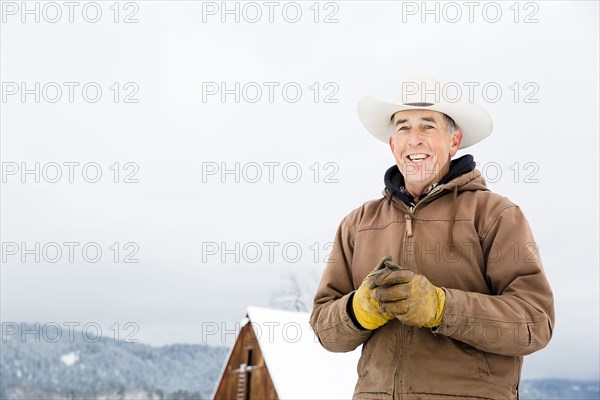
211	241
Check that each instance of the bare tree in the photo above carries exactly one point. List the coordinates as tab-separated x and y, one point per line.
296	291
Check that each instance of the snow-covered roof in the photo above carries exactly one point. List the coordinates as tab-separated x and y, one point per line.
298	365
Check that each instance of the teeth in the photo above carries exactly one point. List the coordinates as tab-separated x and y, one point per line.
416	157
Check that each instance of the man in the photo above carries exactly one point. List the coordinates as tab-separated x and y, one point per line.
439	280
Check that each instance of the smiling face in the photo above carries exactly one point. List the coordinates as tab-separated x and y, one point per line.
422	146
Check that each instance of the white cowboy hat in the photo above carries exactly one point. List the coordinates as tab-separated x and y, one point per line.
427	94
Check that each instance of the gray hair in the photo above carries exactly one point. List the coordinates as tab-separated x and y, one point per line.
450	124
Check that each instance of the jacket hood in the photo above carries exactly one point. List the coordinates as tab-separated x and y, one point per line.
462	176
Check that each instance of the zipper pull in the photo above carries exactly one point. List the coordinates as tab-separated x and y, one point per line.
408	225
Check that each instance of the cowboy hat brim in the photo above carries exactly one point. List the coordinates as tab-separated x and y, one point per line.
473	121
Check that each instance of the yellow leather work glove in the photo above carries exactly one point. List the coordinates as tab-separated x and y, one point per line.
367	310
410	297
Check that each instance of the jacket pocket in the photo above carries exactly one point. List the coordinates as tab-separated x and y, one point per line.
364	363
482	364
483	367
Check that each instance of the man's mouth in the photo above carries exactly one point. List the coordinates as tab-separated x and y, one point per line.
417	158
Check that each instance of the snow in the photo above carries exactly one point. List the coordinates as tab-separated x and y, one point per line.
299	366
70	358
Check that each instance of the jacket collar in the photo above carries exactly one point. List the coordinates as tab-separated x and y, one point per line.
394	181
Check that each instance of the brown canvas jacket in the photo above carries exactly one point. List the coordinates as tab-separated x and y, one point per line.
475	244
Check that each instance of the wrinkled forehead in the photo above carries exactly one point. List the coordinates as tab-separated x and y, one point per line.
417	115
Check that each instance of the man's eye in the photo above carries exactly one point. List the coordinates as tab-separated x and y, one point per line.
403	128
429	127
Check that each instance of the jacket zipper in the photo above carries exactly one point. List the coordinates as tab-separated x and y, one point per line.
399	371
409	232
402	334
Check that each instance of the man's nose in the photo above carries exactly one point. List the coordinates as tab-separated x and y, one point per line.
414	138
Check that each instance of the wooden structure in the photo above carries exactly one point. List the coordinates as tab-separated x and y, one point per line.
277	356
246	376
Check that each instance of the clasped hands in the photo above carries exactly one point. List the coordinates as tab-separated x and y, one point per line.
390	292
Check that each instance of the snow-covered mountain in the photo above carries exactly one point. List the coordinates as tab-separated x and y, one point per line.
75	367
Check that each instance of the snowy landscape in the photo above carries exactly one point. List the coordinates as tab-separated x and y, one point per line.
106	369
79	369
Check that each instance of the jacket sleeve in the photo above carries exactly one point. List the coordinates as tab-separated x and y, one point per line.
330	318
518	317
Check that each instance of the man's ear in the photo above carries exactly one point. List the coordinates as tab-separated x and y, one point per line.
391	142
455	142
